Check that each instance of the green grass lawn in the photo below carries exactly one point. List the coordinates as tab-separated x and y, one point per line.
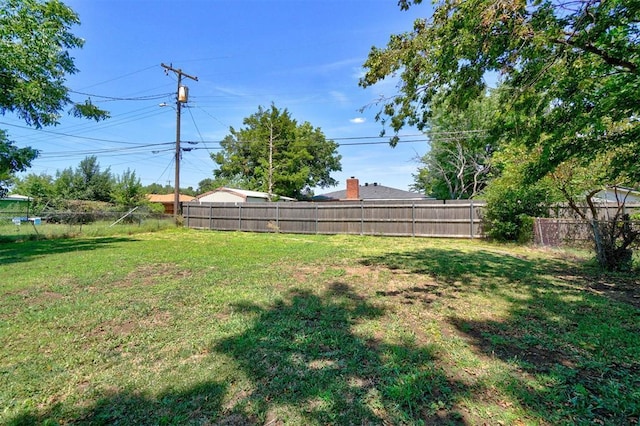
189	327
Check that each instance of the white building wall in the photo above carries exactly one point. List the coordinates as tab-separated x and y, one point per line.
222	197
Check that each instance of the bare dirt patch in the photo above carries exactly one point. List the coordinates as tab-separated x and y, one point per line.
150	274
112	327
44	298
626	290
157	318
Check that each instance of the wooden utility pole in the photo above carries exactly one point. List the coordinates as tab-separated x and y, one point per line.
176	192
272	138
270	190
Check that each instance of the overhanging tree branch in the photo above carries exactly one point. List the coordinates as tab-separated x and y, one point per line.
603	54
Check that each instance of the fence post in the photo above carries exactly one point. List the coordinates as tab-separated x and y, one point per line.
471	214
277	216
317	219
187	215
361	218
413	219
541	235
239	216
210	216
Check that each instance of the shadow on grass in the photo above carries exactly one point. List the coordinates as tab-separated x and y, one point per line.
197	405
26	250
303	353
305	365
579	345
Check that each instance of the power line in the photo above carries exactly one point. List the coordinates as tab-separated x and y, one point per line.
69	135
165	169
364	140
119	119
126	150
115	98
120	77
198	130
215	118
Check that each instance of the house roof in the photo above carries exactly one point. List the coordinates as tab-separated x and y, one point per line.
372	191
16	197
244	193
618	193
168	198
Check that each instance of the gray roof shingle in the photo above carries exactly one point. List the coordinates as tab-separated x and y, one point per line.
372	191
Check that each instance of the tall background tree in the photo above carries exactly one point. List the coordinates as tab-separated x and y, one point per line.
458	163
127	190
572	70
209	184
87	182
275	154
35	39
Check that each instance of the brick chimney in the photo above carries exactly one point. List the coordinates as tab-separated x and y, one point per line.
353	189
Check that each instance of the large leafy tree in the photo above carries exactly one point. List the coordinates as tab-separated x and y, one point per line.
275	154
39	187
35	39
458	163
572	66
127	190
209	184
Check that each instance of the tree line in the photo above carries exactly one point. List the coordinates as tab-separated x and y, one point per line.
86	182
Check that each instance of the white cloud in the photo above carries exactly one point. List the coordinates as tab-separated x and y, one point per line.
339	97
358	120
359	73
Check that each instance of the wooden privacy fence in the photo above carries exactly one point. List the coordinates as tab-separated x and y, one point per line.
555	232
423	219
567	228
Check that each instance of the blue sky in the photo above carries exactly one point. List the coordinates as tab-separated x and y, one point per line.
303	55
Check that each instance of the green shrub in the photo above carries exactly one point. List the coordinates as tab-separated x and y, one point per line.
509	213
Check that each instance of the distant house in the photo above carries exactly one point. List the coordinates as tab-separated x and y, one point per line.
369	192
619	194
15	205
15	198
232	195
168	200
